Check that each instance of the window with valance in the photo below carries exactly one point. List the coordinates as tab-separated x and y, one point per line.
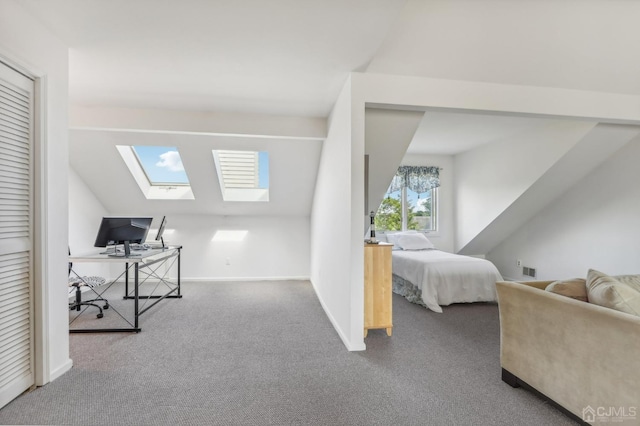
419	179
411	201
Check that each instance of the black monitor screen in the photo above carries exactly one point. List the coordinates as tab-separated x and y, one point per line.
122	230
161	229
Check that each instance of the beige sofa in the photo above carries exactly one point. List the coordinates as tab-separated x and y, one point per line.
584	357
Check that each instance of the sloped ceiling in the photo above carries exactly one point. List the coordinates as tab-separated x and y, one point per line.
580	45
292	172
449	133
388	133
590	151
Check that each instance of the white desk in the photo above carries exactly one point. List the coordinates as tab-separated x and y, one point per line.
147	262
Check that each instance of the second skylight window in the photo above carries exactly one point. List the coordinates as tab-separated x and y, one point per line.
243	175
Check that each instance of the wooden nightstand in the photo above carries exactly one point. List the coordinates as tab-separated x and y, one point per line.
378	294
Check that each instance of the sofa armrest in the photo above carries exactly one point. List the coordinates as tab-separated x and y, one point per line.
537	284
574	352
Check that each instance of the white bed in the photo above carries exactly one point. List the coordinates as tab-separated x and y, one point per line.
443	278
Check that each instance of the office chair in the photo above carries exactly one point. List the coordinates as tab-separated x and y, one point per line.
91	282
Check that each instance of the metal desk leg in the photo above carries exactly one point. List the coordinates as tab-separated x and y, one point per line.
126	280
179	252
136	298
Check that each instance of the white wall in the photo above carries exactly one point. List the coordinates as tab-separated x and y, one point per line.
444	237
331	227
593	225
25	42
85	214
491	177
275	247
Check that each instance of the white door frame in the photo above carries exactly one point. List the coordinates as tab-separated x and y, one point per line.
42	366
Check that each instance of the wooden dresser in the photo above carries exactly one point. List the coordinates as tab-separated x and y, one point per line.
377	287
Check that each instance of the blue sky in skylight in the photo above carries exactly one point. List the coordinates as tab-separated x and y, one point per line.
162	164
263	169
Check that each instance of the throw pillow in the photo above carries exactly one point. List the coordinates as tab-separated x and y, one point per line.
415	241
632	281
612	292
575	288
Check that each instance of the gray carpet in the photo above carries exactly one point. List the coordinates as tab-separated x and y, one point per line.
264	353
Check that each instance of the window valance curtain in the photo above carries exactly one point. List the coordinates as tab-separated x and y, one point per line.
419	179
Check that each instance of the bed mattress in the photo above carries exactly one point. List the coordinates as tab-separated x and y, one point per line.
445	278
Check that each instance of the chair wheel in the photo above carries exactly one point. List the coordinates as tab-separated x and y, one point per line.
100	315
106	306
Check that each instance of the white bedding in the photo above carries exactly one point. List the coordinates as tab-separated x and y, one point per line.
446	278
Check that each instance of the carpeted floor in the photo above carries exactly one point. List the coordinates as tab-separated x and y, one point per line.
264	353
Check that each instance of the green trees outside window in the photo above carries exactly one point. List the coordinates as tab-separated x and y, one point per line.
420	214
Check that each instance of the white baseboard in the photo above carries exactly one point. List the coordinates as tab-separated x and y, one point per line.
343	337
221	279
200	279
61	370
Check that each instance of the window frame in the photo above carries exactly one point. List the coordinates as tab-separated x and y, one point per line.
405	209
434	212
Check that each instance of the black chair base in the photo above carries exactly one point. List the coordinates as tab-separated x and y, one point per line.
78	303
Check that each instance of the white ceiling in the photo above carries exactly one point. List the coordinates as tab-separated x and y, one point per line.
276	57
291	57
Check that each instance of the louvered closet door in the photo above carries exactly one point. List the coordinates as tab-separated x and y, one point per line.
16	218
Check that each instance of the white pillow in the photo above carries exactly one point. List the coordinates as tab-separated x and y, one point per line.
393	238
415	241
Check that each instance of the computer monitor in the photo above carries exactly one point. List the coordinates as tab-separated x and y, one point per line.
122	230
161	230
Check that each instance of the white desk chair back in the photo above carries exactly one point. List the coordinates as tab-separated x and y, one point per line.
75	285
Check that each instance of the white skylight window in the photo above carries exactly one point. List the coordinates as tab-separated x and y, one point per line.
243	175
162	164
158	171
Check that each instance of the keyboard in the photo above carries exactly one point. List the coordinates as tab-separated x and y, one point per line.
112	250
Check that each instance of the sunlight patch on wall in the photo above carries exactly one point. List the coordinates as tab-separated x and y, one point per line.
229	235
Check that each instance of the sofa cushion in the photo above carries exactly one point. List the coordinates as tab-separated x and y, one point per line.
621	292
575	288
